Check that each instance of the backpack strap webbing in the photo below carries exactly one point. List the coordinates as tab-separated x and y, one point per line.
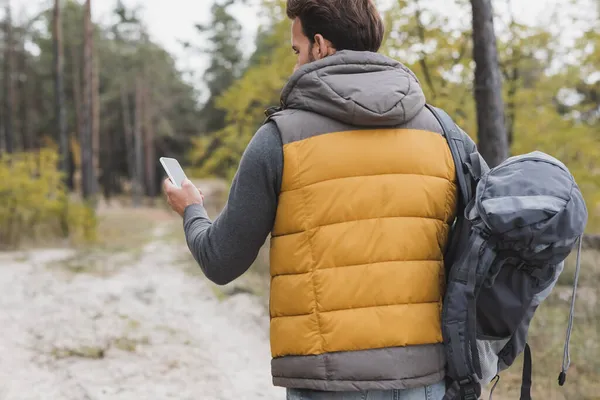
458	150
459	234
526	379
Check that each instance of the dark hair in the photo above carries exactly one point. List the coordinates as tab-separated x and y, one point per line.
347	24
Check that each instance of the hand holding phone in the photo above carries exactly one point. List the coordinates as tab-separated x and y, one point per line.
179	196
173	170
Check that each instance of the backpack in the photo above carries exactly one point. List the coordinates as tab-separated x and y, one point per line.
516	224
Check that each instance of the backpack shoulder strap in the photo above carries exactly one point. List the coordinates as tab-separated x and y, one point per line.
458	148
459	306
469	167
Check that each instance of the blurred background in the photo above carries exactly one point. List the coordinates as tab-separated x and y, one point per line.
99	297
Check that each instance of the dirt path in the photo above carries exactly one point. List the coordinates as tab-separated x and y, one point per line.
133	327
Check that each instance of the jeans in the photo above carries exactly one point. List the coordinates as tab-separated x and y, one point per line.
432	392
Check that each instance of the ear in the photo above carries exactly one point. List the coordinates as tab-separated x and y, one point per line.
322	47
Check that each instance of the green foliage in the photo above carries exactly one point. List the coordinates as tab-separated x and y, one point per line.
245	102
224	34
34	202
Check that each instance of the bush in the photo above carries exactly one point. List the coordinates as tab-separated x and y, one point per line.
34	201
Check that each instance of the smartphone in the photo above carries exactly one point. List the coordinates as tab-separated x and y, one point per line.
173	170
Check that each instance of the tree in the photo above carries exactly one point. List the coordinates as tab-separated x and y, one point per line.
149	142
59	90
23	88
243	103
588	84
224	34
127	131
95	117
491	130
171	103
524	59
166	107
8	80
87	169
137	137
76	97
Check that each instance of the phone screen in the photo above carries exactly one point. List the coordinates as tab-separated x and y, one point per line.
174	170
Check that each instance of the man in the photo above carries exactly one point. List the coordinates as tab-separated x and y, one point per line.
356	185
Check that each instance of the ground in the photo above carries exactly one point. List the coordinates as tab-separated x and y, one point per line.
132	317
128	319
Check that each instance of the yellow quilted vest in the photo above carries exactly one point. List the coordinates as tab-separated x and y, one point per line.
357	245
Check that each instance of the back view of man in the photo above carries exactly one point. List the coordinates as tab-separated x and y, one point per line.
356	185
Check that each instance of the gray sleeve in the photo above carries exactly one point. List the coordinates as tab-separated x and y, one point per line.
227	247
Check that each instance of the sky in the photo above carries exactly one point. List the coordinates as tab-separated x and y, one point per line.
173	20
169	22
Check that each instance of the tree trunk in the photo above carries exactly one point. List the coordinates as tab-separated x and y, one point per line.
95	117
59	95
492	140
139	161
17	95
149	144
24	105
8	81
77	99
87	169
108	164
511	105
128	134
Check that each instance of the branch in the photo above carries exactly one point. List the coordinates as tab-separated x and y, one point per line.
423	59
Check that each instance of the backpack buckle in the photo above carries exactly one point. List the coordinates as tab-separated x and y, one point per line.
469	389
272	110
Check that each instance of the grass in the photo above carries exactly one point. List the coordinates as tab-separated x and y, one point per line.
91	352
122	234
126	342
129	344
126	229
99	352
547	335
255	281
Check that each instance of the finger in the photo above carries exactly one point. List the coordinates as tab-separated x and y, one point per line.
168	186
187	184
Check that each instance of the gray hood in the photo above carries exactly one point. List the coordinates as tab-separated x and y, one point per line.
356	88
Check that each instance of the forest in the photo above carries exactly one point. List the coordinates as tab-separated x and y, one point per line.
87	109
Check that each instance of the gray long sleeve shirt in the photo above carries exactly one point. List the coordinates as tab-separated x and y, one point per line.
227	247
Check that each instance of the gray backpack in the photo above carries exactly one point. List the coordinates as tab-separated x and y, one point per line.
516	225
